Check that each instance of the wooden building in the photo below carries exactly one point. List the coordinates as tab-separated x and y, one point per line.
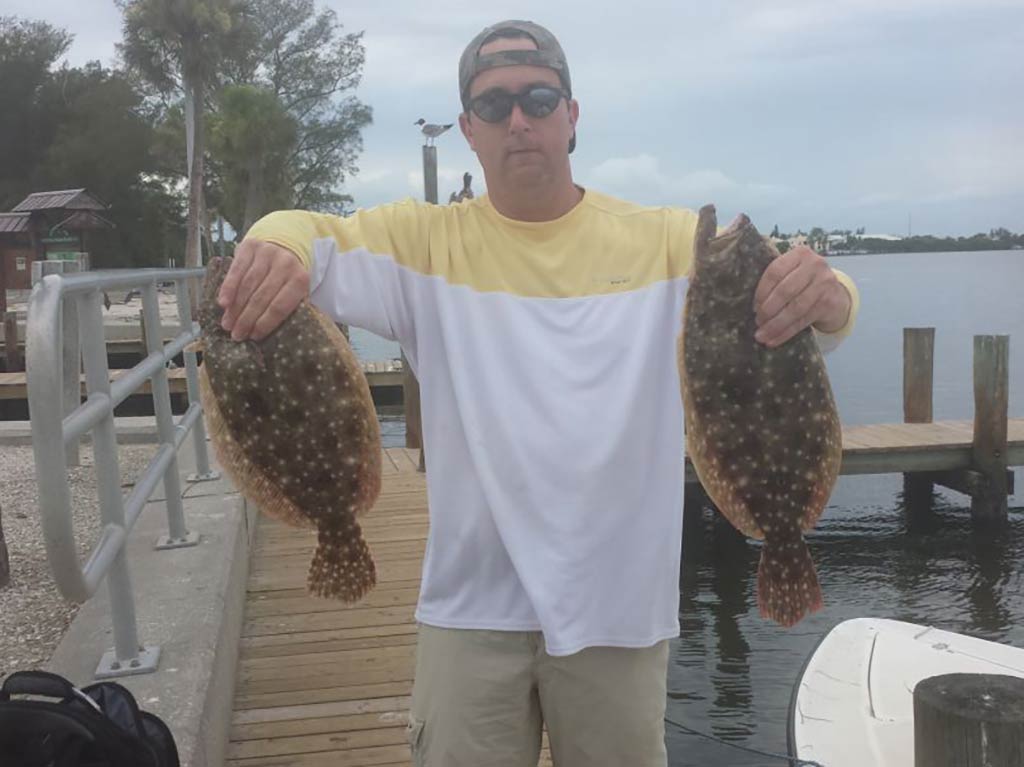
45	225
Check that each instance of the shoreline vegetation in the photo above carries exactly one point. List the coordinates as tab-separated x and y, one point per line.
847	243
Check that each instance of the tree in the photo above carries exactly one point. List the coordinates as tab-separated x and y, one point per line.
83	127
817	238
775	231
28	49
253	138
175	45
302	57
102	140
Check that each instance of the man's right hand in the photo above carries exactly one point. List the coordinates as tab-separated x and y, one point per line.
263	286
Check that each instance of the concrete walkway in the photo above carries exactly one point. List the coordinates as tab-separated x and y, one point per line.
188	601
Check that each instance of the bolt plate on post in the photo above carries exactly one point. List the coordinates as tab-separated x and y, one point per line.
207	477
166	542
145	663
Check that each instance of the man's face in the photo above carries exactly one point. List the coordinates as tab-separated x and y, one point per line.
519	151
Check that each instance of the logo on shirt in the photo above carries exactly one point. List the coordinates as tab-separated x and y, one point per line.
612	279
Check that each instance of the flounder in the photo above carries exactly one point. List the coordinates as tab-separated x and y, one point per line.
762	429
292	422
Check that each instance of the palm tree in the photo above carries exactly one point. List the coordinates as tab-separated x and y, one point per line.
175	45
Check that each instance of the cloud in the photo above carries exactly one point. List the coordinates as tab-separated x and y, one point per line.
640	178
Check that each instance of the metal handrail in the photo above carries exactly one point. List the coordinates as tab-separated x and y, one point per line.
56	303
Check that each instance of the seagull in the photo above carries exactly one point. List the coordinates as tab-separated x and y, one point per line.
430	130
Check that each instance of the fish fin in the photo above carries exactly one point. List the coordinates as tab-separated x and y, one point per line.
250	481
787	587
342	566
371	453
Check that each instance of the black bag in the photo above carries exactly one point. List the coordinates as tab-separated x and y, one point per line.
100	725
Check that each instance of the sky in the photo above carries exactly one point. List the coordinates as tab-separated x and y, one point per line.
893	115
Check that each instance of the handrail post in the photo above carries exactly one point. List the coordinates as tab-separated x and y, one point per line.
203	471
177	534
72	361
125	657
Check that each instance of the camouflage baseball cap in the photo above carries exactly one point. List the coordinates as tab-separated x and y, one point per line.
548	54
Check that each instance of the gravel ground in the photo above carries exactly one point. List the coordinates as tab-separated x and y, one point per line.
33	614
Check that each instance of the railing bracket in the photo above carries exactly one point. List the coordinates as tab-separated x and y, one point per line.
207	476
166	542
145	662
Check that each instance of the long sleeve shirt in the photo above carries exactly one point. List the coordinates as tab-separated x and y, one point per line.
546	357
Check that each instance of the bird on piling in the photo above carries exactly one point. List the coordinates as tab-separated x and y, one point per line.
431	131
466	193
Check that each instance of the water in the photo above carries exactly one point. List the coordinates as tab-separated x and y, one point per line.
731	673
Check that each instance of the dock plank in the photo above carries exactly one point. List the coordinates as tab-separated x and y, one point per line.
324	683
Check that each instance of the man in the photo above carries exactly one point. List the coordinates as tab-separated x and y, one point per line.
541	321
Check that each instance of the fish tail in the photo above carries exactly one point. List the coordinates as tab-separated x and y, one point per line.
342	566
787	583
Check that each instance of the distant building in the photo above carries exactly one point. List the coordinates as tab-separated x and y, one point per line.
46	225
890	237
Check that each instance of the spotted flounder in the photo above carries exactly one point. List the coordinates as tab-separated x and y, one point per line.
293	423
762	428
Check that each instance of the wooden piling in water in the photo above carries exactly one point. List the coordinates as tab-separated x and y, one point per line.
969	720
918	374
988	452
14	358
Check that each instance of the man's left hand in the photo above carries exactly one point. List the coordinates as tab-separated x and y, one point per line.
796	290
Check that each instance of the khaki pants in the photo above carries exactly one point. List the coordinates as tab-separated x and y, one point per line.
480	699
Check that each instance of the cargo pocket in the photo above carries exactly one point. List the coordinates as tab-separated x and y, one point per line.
414	734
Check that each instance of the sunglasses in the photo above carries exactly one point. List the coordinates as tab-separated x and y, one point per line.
536	101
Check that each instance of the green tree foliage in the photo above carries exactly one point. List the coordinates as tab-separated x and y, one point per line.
83	127
28	50
253	138
301	56
102	141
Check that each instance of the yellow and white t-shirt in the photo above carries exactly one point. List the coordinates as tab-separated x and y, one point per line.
546	356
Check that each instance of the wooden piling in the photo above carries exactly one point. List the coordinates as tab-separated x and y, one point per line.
14	358
5	561
430	174
410	386
969	720
411	397
988	452
918	374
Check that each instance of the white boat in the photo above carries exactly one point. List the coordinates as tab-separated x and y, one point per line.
853	702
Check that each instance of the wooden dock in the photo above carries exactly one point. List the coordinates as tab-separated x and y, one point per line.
320	683
383	374
323	684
